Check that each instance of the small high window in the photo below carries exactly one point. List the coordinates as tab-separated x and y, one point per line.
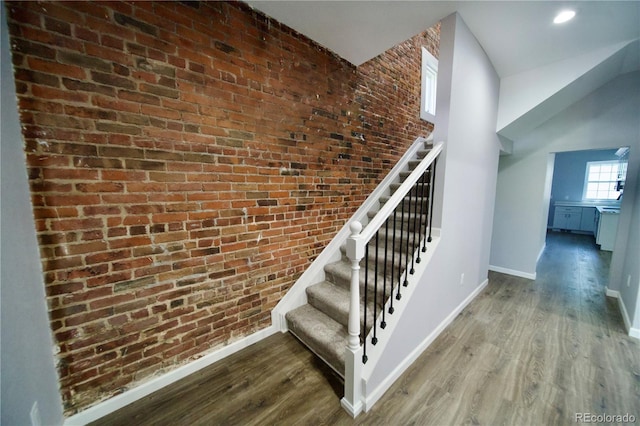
604	180
429	86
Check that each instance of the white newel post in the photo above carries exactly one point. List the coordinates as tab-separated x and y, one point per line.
352	401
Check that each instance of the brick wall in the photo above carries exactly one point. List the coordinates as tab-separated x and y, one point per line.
187	162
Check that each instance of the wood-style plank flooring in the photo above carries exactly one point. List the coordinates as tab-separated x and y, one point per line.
522	353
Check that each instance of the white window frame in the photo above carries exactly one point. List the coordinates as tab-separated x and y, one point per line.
617	173
429	86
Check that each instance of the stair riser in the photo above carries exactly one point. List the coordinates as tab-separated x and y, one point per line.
397	239
338	315
409	204
345	282
408	224
422	153
329	355
397	247
392	263
414	191
405	175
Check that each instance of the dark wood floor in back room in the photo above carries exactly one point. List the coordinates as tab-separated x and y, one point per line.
522	353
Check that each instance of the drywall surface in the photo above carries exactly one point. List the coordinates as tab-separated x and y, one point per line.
28	371
607	118
523	92
469	166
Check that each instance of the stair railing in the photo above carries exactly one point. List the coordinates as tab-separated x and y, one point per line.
411	203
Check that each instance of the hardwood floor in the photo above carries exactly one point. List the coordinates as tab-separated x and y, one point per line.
522	353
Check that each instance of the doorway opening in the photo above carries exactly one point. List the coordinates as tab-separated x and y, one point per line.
585	193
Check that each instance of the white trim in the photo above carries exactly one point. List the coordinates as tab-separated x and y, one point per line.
621	164
429	74
353	411
633	332
373	396
513	272
115	403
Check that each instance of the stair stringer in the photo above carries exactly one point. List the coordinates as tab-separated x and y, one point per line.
296	296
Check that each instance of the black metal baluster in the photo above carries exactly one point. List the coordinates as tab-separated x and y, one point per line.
398	295
426	202
364	327
406	254
421	216
383	323
393	260
415	230
374	340
426	225
433	180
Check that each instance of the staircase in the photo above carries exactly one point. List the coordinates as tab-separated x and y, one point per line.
399	226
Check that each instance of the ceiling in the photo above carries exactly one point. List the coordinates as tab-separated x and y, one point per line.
517	35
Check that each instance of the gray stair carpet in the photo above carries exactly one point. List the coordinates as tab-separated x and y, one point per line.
322	323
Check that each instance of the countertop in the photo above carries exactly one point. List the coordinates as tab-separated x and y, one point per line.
610	208
613	204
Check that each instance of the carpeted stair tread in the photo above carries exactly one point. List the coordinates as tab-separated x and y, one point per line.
334	301
339	273
396	185
323	335
407	203
405	174
382	235
322	323
409	221
392	257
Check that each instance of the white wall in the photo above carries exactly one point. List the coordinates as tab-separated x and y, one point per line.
26	356
532	97
606	118
469	167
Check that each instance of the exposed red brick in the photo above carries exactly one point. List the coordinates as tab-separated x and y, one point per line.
183	174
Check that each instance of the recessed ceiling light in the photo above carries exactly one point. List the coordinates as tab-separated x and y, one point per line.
564	16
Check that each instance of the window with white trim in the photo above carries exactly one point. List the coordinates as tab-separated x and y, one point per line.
604	180
429	86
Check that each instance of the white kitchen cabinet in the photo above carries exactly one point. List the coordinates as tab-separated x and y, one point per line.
568	218
607	227
588	220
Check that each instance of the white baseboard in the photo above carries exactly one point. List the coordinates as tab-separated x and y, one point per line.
513	272
353	411
633	332
115	403
372	397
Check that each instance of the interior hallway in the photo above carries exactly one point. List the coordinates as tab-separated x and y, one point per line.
523	352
